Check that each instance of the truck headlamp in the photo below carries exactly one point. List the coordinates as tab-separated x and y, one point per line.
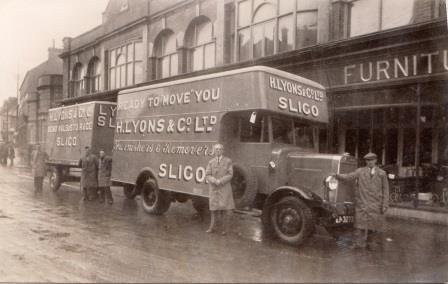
331	182
391	176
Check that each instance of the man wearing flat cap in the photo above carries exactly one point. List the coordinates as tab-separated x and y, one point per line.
371	202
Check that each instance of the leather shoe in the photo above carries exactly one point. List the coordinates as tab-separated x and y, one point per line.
210	230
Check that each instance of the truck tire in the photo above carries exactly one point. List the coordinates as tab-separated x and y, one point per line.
154	200
55	178
129	191
244	186
292	220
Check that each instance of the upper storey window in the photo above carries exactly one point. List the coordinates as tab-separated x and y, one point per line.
94	75
269	27
166	53
126	65
77	80
369	16
201	43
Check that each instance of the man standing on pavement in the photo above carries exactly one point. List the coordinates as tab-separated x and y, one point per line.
89	174
39	167
104	172
11	154
218	174
371	202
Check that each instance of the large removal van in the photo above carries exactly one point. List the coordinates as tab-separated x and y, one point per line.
70	129
267	121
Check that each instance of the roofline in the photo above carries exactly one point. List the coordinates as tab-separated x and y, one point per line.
227	73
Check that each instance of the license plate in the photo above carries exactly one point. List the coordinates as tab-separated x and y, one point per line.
344	219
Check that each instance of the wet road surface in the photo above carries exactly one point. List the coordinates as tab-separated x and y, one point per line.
56	237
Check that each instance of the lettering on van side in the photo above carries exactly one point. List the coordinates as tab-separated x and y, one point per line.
182	172
183	98
296	89
187	124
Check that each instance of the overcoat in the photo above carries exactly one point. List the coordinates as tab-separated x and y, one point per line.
371	195
104	171
89	171
220	196
39	168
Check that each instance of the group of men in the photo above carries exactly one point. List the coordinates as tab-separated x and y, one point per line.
7	152
95	176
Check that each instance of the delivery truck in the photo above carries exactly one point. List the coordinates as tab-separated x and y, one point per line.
267	121
70	129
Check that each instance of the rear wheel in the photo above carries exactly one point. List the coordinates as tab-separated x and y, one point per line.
154	200
55	178
129	191
292	220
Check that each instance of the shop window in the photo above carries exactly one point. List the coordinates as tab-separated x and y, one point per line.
351	136
364	118
408	116
269	27
409	139
426	115
392	116
369	16
255	131
94	75
166	53
77	80
126	67
391	146
363	142
201	42
426	145
377	143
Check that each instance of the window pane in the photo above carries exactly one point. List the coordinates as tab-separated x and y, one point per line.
265	12
138	51
121	60
409	138
165	65
285	31
364	17
363	142
122	76
391	146
304	135
112	78
282	131
130	77
254	132
138	72
258	40
244	44
112	58
174	64
287	6
269	34
396	13
198	58
307	5
130	53
204	32
426	145
209	55
306	31
170	44
244	13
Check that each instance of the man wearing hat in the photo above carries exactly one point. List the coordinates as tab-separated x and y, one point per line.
371	202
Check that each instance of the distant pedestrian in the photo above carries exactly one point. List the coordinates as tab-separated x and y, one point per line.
3	154
371	202
39	167
89	174
11	154
219	173
104	173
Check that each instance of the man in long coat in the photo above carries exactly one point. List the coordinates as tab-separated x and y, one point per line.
39	167
104	173
89	174
371	202
219	173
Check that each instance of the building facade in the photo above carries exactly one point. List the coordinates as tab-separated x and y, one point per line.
8	120
40	90
384	62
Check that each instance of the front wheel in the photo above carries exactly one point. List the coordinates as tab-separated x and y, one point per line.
55	179
292	220
154	200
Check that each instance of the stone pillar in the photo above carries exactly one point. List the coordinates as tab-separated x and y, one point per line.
219	29
323	20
